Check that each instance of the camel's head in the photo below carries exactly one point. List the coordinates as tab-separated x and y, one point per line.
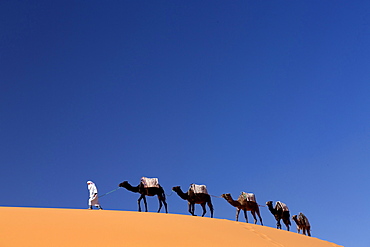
176	188
294	217
269	203
123	184
226	196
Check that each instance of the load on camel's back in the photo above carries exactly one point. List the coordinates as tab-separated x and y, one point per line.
196	188
149	182
249	197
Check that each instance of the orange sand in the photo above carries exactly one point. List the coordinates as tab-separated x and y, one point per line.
81	227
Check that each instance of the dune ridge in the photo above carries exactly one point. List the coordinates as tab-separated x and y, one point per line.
80	227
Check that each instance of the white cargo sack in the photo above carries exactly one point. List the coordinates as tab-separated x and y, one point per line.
282	205
150	182
250	197
198	188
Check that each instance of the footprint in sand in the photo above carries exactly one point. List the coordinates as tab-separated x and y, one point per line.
263	236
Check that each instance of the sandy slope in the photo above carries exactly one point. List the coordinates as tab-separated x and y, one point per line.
76	227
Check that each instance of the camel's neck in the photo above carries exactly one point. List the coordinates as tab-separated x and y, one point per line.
272	210
181	194
296	221
230	200
131	188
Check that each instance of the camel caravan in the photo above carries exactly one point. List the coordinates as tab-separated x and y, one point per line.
198	194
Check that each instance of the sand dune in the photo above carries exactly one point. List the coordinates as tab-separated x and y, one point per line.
77	227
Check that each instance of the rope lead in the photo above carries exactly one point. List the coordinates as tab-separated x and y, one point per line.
109	192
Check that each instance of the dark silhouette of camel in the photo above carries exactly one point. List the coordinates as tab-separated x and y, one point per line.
195	198
243	204
279	213
151	191
302	224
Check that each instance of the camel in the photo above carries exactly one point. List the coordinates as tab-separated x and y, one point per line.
280	211
243	204
302	224
195	198
151	191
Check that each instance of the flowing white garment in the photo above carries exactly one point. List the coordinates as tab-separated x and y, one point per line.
93	200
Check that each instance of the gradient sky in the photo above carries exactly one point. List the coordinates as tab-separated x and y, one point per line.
270	97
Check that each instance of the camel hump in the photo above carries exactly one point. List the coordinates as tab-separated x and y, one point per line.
281	205
302	218
196	188
150	182
250	197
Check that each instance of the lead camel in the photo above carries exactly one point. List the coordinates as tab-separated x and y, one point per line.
151	191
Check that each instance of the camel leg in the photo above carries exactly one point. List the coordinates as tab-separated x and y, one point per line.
245	215
165	204
278	225
286	217
237	214
210	208
145	204
254	216
161	200
204	208
287	223
139	200
287	226
191	209
160	204
259	215
309	231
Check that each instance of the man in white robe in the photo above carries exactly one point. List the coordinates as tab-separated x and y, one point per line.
93	200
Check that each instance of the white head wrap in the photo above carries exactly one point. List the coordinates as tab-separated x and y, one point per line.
91	186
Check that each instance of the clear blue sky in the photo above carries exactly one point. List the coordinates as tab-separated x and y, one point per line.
270	97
